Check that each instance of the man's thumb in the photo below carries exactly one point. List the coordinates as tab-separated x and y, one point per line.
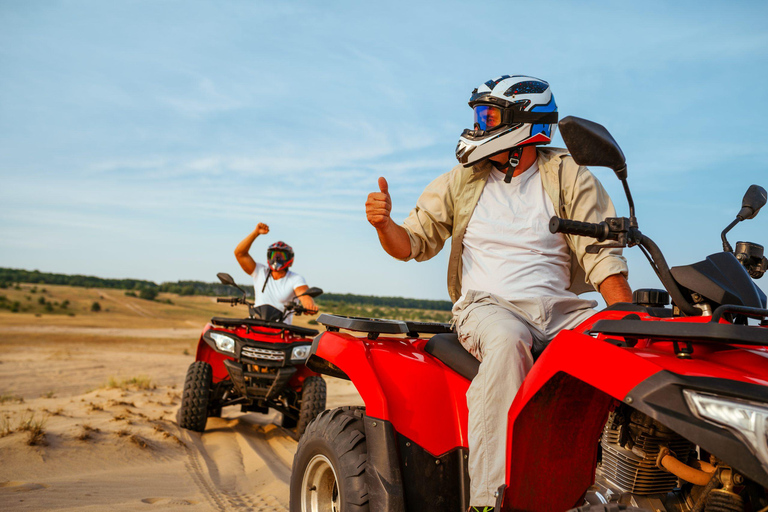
383	186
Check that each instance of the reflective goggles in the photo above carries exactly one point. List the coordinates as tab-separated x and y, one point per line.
277	256
487	117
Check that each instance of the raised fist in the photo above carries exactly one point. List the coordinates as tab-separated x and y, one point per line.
262	229
378	206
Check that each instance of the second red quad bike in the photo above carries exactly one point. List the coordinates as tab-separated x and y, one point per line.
641	407
256	363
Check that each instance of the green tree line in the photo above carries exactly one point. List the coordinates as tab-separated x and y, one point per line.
10	275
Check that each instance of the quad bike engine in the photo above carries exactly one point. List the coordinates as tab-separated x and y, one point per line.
628	473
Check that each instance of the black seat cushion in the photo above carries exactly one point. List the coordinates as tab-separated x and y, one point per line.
446	348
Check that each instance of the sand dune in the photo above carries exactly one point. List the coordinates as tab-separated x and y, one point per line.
69	441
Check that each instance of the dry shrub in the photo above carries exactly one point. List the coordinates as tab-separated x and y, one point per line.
87	432
95	407
139	441
11	398
5	426
35	428
120	402
123	432
140	382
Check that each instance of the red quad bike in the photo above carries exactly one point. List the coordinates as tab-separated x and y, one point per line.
642	406
256	363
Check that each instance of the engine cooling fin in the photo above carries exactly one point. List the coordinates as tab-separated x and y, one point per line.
630	449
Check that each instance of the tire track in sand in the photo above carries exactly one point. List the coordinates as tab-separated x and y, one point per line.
225	460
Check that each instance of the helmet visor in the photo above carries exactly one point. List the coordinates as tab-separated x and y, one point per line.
487	117
277	258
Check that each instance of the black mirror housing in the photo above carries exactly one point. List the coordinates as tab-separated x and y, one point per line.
590	144
312	292
754	199
226	278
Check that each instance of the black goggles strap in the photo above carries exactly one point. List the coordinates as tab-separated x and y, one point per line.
269	273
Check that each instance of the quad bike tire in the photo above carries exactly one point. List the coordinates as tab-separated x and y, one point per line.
610	507
313	395
329	465
195	400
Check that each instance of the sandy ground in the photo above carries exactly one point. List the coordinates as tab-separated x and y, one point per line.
119	448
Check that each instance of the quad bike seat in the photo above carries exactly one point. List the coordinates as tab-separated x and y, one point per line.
446	348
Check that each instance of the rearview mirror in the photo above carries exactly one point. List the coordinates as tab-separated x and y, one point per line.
226	278
754	199
312	292
590	144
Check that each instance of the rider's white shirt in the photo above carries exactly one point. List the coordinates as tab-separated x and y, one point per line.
508	249
277	292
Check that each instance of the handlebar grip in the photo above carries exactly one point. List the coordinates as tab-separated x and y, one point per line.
574	227
230	300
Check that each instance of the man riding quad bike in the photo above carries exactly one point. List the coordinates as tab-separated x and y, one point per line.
513	283
640	405
258	362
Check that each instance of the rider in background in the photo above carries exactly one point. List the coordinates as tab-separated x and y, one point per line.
274	284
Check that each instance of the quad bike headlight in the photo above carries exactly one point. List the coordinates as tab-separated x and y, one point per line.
300	353
223	342
747	420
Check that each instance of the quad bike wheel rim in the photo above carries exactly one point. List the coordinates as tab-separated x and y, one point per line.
319	487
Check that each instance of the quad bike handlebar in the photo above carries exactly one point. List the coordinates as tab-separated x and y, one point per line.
624	232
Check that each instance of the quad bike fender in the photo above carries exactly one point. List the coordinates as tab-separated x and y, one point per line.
216	359
297	379
561	408
557	416
423	399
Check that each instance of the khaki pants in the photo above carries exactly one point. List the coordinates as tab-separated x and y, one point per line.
501	335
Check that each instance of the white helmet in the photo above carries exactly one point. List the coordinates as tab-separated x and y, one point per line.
510	111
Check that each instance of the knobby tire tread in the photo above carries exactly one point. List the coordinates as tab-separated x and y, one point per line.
610	507
340	435
313	397
197	394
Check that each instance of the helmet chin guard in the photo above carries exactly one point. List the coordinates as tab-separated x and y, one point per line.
526	109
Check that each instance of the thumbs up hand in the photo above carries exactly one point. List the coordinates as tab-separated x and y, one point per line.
378	206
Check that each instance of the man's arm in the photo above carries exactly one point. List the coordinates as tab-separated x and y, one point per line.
615	288
306	301
241	251
393	238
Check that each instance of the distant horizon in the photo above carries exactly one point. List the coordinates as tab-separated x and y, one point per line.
249	285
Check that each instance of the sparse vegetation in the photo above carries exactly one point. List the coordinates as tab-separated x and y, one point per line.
139	441
130	294
123	432
49	394
87	432
140	382
11	398
95	307
148	293
5	426
35	428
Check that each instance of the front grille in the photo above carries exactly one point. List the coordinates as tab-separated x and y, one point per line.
262	353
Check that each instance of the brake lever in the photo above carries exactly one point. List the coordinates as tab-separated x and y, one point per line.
594	248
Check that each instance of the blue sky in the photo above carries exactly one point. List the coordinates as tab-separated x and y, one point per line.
146	139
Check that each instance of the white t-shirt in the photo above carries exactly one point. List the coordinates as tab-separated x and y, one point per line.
277	291
508	249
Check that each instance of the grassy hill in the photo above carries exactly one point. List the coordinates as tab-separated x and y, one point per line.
354	305
53	304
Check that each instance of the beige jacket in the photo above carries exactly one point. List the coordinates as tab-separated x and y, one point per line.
446	205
